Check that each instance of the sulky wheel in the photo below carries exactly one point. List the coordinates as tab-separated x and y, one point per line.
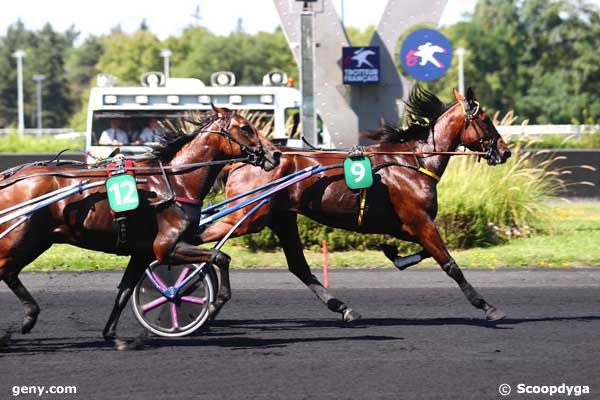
179	314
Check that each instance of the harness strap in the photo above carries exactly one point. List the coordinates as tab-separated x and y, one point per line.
429	173
189	201
361	209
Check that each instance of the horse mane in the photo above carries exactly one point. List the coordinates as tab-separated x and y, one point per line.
422	109
179	132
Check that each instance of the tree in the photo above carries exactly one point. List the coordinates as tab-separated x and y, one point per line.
533	56
17	37
48	59
128	56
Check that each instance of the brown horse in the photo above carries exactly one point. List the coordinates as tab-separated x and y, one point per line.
402	201
170	196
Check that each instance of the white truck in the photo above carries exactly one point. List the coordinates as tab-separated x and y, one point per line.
274	108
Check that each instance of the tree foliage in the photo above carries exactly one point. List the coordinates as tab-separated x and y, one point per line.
534	56
537	57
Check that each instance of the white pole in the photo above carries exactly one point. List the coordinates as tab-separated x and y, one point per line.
165	54
307	75
460	52
19	54
38	79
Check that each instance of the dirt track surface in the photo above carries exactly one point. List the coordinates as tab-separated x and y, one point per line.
419	339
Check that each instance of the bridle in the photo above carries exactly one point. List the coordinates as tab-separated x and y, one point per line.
256	155
486	142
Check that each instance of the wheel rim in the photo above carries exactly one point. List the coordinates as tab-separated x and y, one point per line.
172	317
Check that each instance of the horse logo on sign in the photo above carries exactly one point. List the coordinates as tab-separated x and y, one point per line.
426	54
360	65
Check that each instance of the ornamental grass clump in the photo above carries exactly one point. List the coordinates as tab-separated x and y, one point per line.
481	205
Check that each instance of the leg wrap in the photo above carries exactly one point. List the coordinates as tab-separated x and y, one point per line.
452	269
472	295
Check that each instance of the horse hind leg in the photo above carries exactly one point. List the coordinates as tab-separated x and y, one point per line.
32	309
135	269
403	262
286	230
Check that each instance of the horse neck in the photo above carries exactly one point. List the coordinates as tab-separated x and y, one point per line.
196	183
444	137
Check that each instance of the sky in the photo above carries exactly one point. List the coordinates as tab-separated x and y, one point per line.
166	18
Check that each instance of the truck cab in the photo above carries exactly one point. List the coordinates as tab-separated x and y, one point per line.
273	108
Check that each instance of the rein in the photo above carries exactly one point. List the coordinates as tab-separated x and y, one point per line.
343	153
91	172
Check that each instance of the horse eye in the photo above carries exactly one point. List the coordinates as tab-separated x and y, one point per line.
246	130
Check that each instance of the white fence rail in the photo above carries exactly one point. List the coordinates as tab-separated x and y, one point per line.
59	133
539	130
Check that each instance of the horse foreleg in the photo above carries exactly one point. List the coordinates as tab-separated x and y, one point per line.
135	269
403	262
432	242
286	230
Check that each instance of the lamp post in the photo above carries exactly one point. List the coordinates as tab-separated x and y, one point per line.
165	54
38	80
460	52
19	54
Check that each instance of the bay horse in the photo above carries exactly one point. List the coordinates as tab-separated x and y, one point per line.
171	193
402	201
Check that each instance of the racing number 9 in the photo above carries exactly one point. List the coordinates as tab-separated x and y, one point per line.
358	170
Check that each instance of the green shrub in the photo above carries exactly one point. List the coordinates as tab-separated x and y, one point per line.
479	205
15	143
482	205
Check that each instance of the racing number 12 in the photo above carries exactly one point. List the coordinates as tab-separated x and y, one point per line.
122	193
118	187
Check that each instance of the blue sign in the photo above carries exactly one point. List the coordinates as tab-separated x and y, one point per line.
360	65
426	54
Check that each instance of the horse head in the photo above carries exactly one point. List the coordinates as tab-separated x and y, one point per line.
240	137
479	133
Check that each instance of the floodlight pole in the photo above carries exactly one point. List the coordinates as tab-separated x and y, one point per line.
307	79
19	54
38	80
460	53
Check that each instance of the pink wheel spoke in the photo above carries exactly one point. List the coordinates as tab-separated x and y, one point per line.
174	316
182	276
192	299
153	304
159	281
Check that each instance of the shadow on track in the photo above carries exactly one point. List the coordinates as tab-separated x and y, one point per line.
241	334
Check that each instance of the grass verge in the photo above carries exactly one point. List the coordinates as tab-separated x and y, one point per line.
571	239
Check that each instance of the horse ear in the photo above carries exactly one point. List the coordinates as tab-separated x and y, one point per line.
470	95
221	113
457	95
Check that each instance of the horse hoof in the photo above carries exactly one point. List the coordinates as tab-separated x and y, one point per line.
213	311
28	324
350	315
493	314
124	345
